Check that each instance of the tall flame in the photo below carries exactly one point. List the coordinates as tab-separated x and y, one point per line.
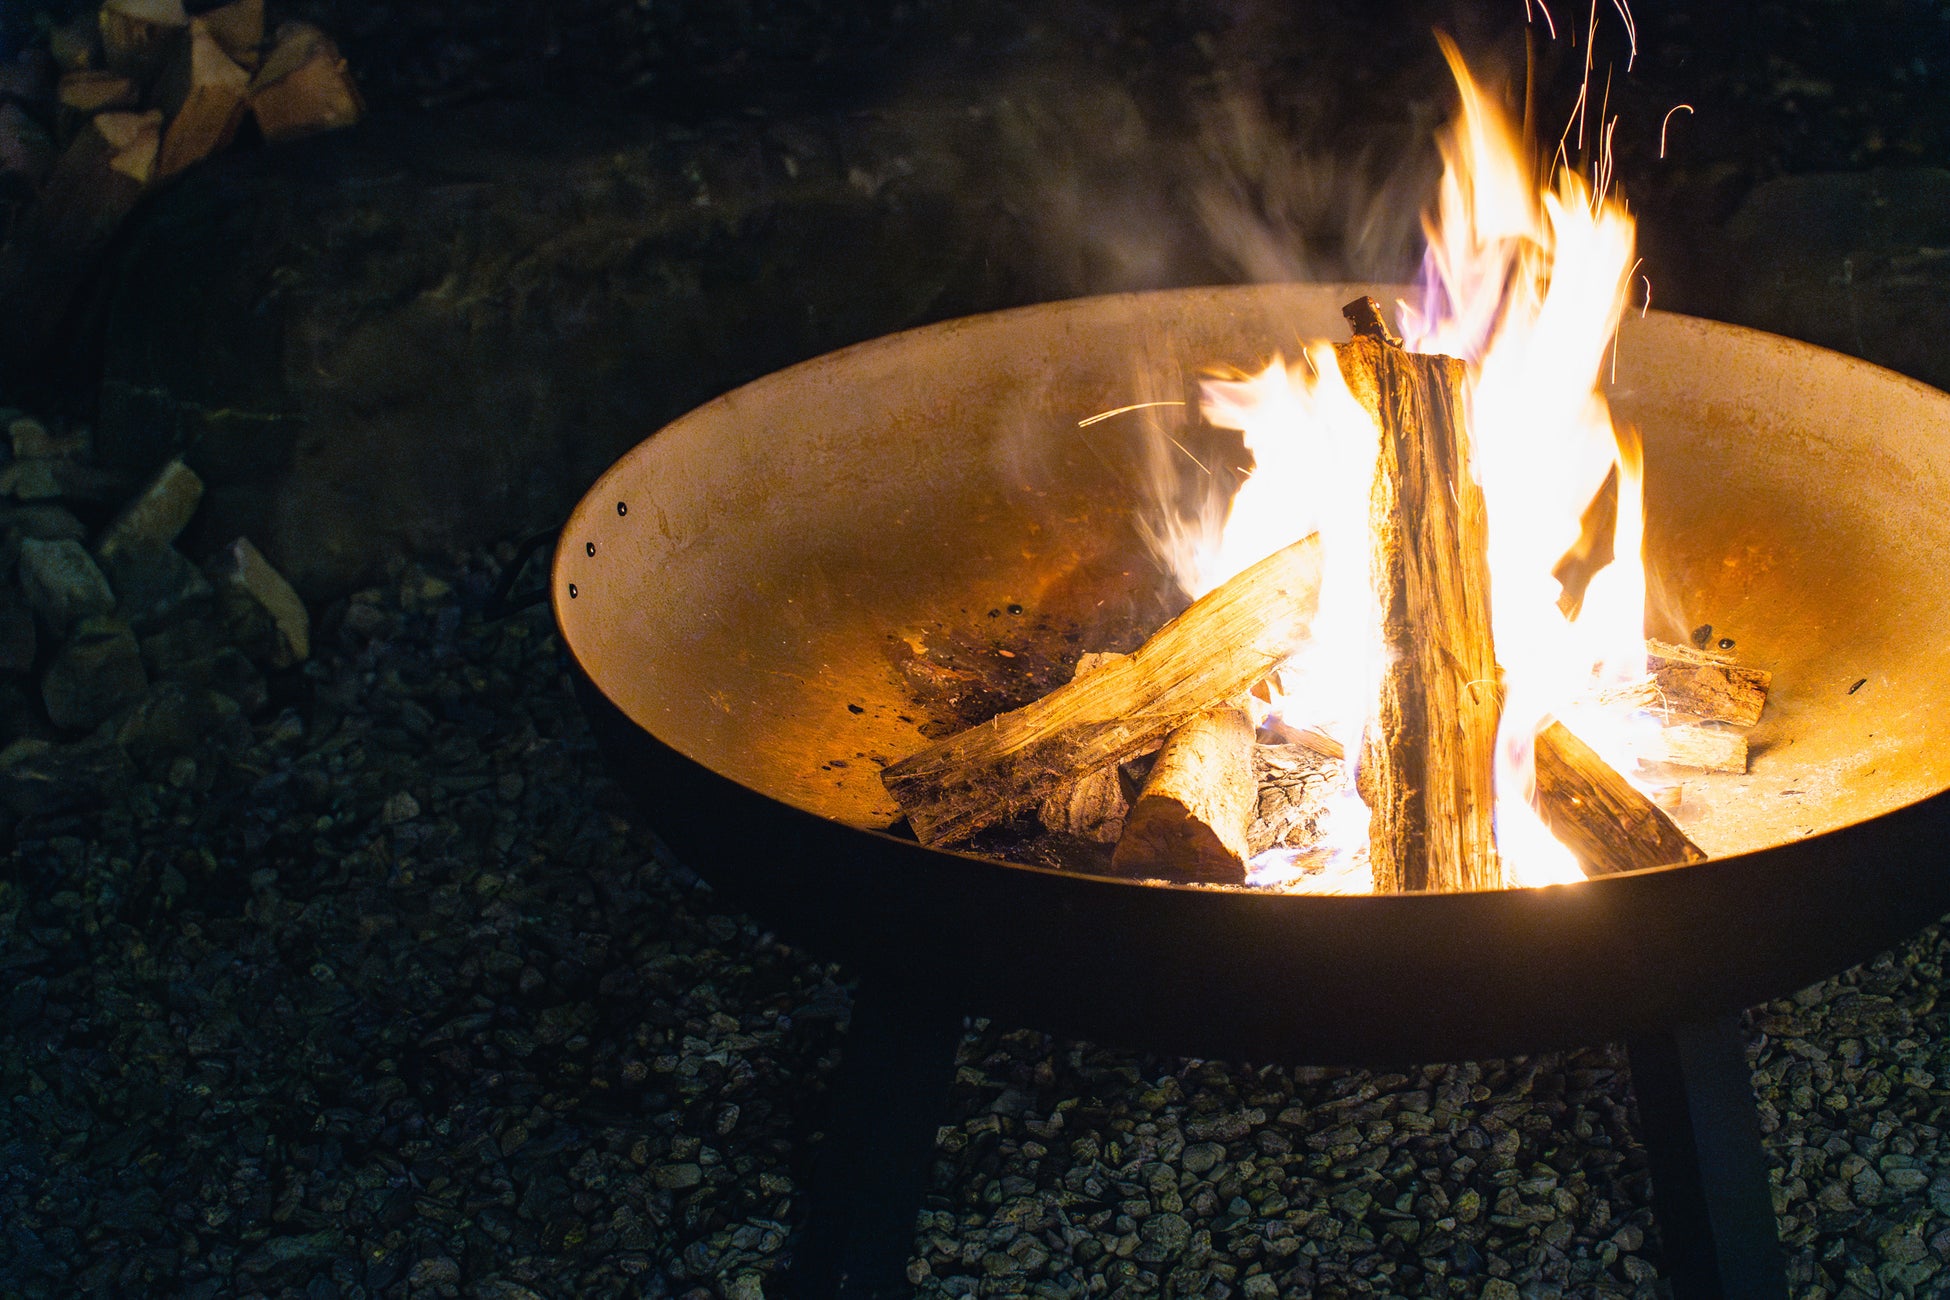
1526	283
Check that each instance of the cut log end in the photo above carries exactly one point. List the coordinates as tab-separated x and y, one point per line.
1190	821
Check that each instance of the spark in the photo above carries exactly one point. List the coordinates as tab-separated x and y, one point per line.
1668	119
1087	421
1646	306
1631	32
1549	22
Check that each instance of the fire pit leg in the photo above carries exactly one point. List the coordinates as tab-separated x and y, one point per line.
1709	1179
888	1100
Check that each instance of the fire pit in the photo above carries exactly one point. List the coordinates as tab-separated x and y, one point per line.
743	595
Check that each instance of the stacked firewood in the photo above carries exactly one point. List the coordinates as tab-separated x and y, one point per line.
141	89
1216	794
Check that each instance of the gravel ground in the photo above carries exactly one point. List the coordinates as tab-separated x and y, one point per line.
401	1005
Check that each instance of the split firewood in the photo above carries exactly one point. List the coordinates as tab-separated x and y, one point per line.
1608	825
138	36
1294	784
1093	806
1701	747
204	92
1191	818
1698	683
94	90
239	29
303	87
1428	766
1215	651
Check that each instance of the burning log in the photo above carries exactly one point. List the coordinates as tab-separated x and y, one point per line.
1216	650
1609	826
1708	686
1093	806
1700	746
1294	785
1428	767
1191	819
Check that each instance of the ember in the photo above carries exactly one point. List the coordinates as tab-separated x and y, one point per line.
1475	647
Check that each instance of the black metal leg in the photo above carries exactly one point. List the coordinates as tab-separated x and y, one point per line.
888	1100
1709	1180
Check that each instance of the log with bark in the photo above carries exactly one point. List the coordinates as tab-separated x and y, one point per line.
1191	819
1427	769
1697	683
1093	806
1607	824
1215	651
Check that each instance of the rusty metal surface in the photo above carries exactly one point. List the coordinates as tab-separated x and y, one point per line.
812	575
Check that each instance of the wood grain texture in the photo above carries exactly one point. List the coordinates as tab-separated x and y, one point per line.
1216	650
1428	764
1190	820
1609	826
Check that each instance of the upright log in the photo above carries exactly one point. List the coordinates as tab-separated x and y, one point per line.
1215	651
1428	765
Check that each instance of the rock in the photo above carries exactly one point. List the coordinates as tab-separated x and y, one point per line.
96	674
1498	1288
48	523
26	149
1201	1156
154	584
437	1270
63	584
258	609
401	807
17	639
1168	1232
159	513
32	441
173	719
677	1177
232	672
33	480
38	777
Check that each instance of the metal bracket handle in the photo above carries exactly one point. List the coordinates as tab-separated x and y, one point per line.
502	601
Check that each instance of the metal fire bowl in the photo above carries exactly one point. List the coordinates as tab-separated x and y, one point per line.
747	596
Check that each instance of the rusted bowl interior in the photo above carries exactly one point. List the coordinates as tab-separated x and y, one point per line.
780	589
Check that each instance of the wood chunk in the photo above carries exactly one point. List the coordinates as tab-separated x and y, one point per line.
303	86
91	91
1093	806
138	36
1607	824
1428	765
1708	686
1190	821
1698	746
1215	651
1294	784
204	90
239	29
1279	731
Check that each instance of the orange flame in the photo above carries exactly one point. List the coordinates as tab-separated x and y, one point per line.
1525	282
